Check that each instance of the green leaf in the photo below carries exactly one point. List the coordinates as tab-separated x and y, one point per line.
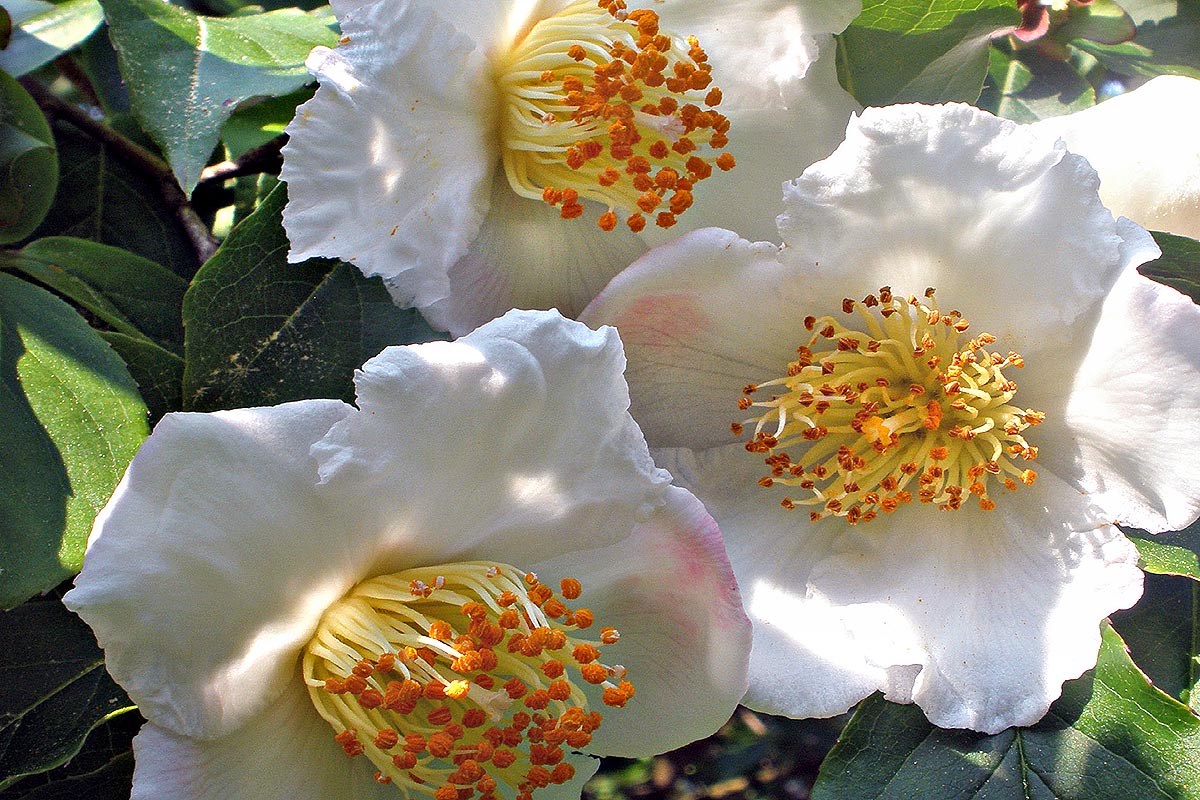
261	331
55	688
257	124
28	162
111	781
1110	735
1163	633
186	73
6	27
1165	559
102	199
132	294
45	31
1033	87
1168	28
1101	21
158	372
73	420
926	51
1179	264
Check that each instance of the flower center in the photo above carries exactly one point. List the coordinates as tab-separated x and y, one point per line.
458	678
599	104
899	398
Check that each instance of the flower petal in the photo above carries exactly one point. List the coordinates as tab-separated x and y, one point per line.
389	165
210	567
528	257
690	316
670	592
287	750
1143	144
1129	431
957	199
493	445
773	139
977	617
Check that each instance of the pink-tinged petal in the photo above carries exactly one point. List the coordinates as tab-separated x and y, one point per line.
527	256
671	594
957	199
210	567
287	750
690	314
1144	146
494	445
389	165
1129	434
799	649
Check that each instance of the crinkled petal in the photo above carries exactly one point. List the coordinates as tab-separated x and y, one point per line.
670	593
996	216
772	141
527	256
977	617
1129	429
1144	146
691	316
389	165
287	750
210	567
825	666
494	445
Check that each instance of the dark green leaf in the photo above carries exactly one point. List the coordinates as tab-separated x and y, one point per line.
55	688
6	27
132	294
1168	28
187	73
1163	633
1134	59
1102	21
45	31
925	51
257	124
158	372
1179	265
261	331
1033	87
73	419
1111	736
111	781
28	162
102	199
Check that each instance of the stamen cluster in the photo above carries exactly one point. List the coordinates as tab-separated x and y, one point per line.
456	680
600	104
899	400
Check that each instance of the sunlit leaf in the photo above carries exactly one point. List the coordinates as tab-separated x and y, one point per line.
45	31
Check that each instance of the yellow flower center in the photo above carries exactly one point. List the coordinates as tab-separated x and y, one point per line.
599	104
456	679
899	406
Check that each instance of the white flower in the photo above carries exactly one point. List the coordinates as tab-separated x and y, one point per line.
1145	147
252	563
441	125
976	614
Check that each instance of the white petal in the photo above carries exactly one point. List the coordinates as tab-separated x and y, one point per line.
493	445
389	165
994	215
772	140
691	315
285	751
1144	146
977	617
527	256
1130	423
803	661
670	592
210	567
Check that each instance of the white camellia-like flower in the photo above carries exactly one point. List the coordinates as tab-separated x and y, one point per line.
918	421
481	155
1145	147
455	587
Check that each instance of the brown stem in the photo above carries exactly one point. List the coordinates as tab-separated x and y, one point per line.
264	158
135	156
